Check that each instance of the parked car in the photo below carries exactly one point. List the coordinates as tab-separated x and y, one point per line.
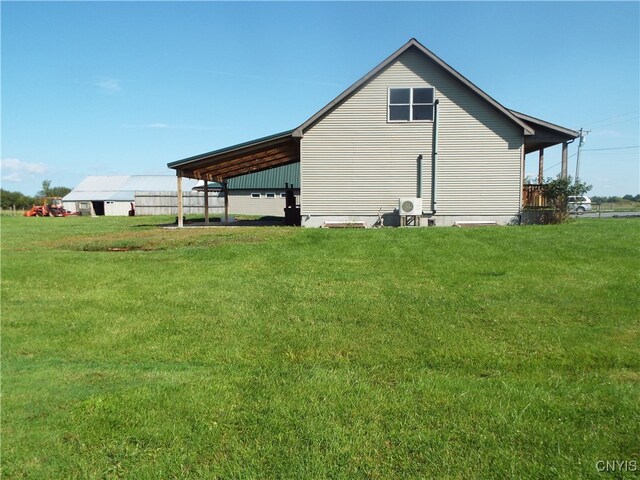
579	204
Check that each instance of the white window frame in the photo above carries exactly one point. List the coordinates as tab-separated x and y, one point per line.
410	104
256	195
283	195
270	195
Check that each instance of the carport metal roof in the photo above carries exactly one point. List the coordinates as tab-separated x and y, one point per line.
241	159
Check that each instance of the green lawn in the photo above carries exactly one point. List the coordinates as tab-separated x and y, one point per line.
509	352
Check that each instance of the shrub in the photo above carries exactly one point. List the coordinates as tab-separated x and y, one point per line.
558	190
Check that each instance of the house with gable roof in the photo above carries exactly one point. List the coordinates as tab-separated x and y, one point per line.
413	138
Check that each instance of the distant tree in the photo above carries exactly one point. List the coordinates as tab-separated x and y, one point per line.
58	191
46	185
49	191
615	198
558	189
15	199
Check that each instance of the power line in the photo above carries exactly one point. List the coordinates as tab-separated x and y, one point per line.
556	164
611	148
613	117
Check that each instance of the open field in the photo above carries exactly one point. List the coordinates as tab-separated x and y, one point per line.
622	206
509	352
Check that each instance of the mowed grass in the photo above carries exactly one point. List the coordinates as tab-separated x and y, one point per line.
509	352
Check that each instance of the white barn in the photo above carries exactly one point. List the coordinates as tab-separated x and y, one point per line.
412	138
113	195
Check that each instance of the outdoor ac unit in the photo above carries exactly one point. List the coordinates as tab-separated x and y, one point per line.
410	206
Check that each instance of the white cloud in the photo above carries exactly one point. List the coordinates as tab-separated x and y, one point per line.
108	85
13	177
14	170
157	125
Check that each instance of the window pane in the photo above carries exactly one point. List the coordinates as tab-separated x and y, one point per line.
399	112
398	95
423	112
423	95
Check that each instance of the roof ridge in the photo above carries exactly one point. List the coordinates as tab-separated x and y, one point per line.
342	97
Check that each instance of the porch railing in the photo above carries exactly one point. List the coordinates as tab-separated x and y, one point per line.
533	196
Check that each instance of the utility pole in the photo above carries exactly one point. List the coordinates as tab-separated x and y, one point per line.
583	133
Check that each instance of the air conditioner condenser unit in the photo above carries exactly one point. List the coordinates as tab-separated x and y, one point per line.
409	206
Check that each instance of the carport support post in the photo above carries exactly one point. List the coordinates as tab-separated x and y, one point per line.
180	224
541	166
206	201
226	201
565	159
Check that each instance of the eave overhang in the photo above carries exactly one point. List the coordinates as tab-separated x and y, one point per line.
546	135
241	159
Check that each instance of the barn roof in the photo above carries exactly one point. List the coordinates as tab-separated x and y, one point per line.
122	187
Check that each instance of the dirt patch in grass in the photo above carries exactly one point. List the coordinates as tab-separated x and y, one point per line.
160	239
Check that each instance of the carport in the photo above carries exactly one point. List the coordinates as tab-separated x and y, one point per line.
220	165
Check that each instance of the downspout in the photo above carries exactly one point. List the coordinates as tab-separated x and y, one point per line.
419	177
434	155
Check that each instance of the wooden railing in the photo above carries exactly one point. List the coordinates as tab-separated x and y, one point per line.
533	196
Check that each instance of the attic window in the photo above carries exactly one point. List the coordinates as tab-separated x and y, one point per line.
411	104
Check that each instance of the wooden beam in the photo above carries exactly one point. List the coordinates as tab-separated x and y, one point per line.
206	202
241	168
252	150
226	201
180	223
565	160
239	161
257	165
243	159
541	166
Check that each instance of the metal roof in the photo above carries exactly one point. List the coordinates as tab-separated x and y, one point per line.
123	187
239	146
543	123
547	134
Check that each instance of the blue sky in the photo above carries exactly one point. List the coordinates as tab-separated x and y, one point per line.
123	88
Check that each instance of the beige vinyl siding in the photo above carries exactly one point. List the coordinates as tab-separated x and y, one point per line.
241	203
355	162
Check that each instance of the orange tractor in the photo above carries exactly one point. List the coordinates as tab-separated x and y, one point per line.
51	207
